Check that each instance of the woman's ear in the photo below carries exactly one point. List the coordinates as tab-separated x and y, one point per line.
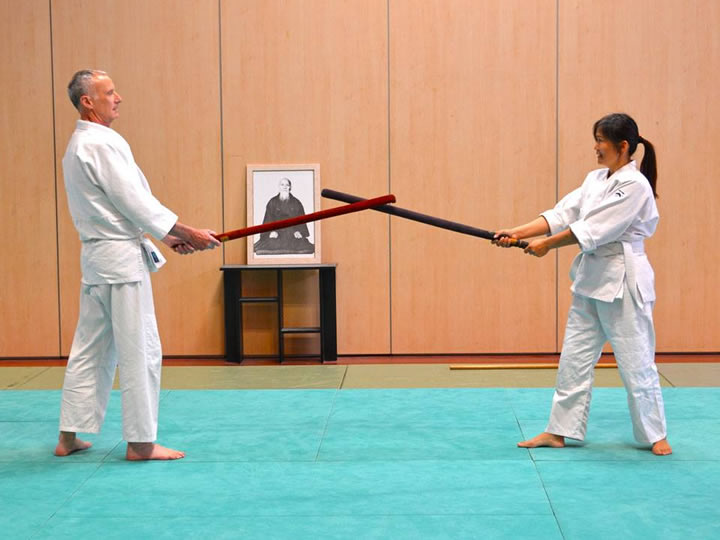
625	147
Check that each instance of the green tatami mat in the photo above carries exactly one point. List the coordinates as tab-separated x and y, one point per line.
364	463
359	376
330	527
441	376
194	377
656	499
31	493
253	377
16	377
691	374
311	489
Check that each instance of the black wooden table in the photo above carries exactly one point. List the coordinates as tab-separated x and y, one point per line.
234	301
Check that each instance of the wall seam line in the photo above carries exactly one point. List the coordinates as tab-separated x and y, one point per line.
222	130
389	183
55	177
557	167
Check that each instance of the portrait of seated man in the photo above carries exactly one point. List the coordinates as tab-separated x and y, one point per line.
290	240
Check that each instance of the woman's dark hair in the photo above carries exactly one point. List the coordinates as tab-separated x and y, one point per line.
619	127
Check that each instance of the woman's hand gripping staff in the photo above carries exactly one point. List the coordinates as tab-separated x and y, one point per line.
539	247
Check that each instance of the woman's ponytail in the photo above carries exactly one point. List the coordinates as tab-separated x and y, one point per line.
649	166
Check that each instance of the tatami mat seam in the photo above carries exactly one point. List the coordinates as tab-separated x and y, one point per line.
67	499
537	472
342	381
542	483
327	423
22	382
664	377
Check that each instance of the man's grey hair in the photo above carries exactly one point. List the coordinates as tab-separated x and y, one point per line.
80	85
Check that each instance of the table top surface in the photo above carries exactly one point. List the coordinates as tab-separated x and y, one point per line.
276	266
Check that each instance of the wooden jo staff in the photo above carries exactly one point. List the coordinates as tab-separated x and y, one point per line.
306	218
422	218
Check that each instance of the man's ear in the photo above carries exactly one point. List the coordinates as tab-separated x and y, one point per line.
86	102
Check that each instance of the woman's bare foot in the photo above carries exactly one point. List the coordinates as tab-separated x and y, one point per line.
544	439
69	443
147	451
661	448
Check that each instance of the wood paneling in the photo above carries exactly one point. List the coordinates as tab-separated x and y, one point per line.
472	140
164	60
653	62
305	81
479	112
28	264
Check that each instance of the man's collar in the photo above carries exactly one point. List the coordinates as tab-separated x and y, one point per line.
86	125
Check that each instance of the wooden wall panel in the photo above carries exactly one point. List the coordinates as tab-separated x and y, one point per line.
28	264
164	60
306	82
451	105
472	140
653	62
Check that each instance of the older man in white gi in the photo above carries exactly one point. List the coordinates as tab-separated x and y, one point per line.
112	209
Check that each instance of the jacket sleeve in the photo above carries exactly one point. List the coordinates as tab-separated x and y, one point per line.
565	212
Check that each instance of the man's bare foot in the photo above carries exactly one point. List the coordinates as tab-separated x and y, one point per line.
544	439
69	443
661	448
147	451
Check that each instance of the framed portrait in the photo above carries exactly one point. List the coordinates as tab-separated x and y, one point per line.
275	193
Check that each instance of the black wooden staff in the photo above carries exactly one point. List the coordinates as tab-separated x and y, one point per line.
422	218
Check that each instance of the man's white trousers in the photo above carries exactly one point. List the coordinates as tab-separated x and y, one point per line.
629	329
116	327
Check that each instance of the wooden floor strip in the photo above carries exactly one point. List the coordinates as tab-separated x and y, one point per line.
519	366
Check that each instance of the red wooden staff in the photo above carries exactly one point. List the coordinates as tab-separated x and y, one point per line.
315	216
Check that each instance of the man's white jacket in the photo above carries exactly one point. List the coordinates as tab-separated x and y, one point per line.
111	205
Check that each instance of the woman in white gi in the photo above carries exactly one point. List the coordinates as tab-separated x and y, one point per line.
609	216
112	209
